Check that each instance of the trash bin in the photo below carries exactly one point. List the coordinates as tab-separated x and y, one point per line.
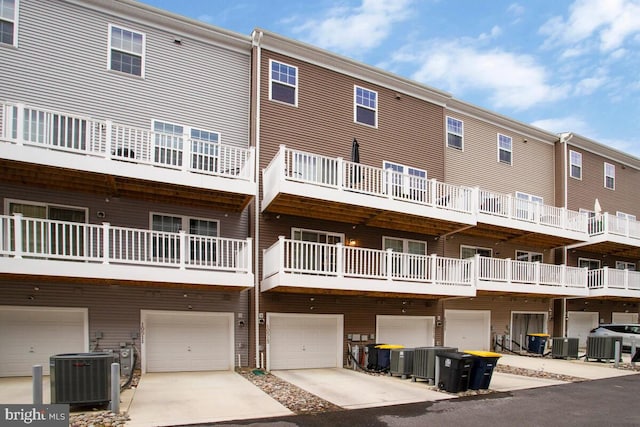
454	371
482	368
372	356
384	355
536	343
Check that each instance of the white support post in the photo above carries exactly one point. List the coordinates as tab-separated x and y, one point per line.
509	206
537	273
340	174
340	252
20	124
563	275
251	160
183	249
509	270
605	278
389	263
433	189
186	152
626	278
476	268
17	234
106	231
249	255
434	269
108	135
388	177
281	243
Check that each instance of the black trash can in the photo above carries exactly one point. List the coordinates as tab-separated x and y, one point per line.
536	343
482	369
454	371
372	357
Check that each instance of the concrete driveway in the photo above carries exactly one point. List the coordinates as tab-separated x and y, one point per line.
351	390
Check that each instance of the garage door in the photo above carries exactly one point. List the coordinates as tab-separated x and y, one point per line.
30	335
187	341
624	317
467	329
409	331
298	341
579	323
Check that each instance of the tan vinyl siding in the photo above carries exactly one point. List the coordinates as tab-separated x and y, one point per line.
193	83
532	169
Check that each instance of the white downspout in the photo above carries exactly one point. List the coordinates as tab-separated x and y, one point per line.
564	138
257	38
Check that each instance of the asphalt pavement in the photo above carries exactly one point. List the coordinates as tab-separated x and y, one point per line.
597	403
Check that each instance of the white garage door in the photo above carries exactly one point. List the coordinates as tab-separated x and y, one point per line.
409	331
467	329
187	341
31	335
298	341
624	317
580	323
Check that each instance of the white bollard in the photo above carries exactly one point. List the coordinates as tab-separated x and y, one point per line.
617	354
115	388
633	350
37	384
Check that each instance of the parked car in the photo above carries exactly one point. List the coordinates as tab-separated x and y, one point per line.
628	331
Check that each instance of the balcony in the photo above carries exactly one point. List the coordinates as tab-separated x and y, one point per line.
334	189
528	222
60	149
509	276
613	236
298	265
40	247
613	282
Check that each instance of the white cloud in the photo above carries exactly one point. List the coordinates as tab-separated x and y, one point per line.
589	85
352	30
608	23
511	80
564	124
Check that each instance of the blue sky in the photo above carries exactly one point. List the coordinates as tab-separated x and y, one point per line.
559	65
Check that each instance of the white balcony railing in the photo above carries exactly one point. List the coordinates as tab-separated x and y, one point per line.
532	273
70	133
610	278
344	175
603	224
299	257
507	206
23	237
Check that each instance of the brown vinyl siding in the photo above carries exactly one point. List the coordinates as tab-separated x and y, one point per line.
501	250
531	171
604	308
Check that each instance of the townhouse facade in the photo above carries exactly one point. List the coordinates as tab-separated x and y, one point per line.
221	200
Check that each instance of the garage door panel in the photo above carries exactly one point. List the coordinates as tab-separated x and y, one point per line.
304	341
176	341
467	329
408	331
30	336
580	323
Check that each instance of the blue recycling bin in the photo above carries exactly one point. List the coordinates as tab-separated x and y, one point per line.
482	369
384	355
536	343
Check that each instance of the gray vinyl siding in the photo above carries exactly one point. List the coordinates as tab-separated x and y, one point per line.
61	64
532	169
115	310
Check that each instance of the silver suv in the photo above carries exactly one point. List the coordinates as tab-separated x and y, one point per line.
628	331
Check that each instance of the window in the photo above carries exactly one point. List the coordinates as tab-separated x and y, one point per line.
575	162
624	265
9	22
166	242
528	256
408	258
526	205
505	149
169	146
591	264
471	251
126	51
315	257
284	82
366	106
454	133
407	182
609	176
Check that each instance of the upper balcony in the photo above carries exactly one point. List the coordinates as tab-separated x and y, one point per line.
67	151
527	222
613	235
307	266
107	254
297	182
610	282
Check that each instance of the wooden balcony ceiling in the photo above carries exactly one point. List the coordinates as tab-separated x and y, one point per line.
519	295
341	292
359	215
519	237
47	177
613	249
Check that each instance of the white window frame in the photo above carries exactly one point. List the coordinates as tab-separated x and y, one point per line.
14	21
529	255
577	164
475	248
363	105
501	149
405	244
590	261
142	54
454	132
185	220
190	139
609	174
624	265
409	178
626	216
272	81
341	236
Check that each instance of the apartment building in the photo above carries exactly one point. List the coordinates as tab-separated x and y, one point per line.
218	199
126	177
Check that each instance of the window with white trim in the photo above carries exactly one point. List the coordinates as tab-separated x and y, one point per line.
407	182
609	176
505	149
454	133
626	216
166	242
471	251
9	22
624	265
526	205
169	145
528	256
408	258
590	264
575	164
126	50
313	257
365	106
283	84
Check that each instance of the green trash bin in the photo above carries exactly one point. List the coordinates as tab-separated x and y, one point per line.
482	369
